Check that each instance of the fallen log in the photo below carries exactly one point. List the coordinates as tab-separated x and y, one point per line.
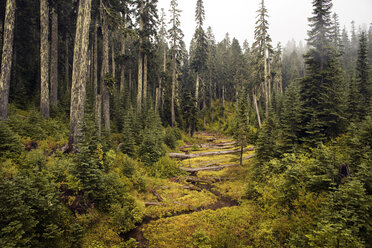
156	194
179	187
208	145
204	154
154	204
207	179
211	168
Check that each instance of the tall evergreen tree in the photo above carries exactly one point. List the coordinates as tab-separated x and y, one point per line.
322	109
175	36
199	54
262	51
363	78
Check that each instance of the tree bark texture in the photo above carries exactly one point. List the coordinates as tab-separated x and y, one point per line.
174	78
54	59
113	65
122	67
105	70
197	90
79	70
257	110
7	53
140	62
44	58
145	77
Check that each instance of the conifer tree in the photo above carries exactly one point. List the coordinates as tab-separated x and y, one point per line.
199	55
363	78
175	36
241	131
322	108
262	51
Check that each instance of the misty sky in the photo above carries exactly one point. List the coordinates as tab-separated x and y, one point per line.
287	18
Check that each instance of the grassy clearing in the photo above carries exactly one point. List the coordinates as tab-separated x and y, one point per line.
223	226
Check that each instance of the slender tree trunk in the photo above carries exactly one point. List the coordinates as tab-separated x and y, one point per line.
67	66
174	75
95	61
6	64
105	70
54	59
197	90
99	113
223	101
140	81
241	154
113	65
257	110
79	71
130	81
145	78
140	62
122	67
44	58
157	100
266	84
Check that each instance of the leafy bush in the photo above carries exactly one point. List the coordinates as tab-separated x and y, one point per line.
165	168
10	145
171	137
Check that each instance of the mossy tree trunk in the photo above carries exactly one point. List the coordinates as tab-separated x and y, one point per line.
140	62
122	67
7	53
44	58
79	70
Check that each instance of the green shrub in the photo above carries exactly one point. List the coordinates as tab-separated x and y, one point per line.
165	168
10	145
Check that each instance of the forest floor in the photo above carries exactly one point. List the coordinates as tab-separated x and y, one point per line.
177	208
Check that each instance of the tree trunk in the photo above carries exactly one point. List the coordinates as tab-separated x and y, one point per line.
140	80
241	154
130	81
122	67
44	58
6	64
54	59
99	113
223	101
157	100
174	75
105	70
140	62
266	84
95	61
113	65
257	110
145	78
79	73
67	66
197	90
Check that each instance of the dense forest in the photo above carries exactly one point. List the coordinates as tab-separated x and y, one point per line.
114	133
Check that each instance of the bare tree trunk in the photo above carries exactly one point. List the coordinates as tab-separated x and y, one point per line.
95	60
67	66
79	73
174	75
140	62
6	64
145	78
122	67
266	84
44	58
130	81
140	81
113	65
257	110
197	90
105	70
157	100
54	59
223	100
